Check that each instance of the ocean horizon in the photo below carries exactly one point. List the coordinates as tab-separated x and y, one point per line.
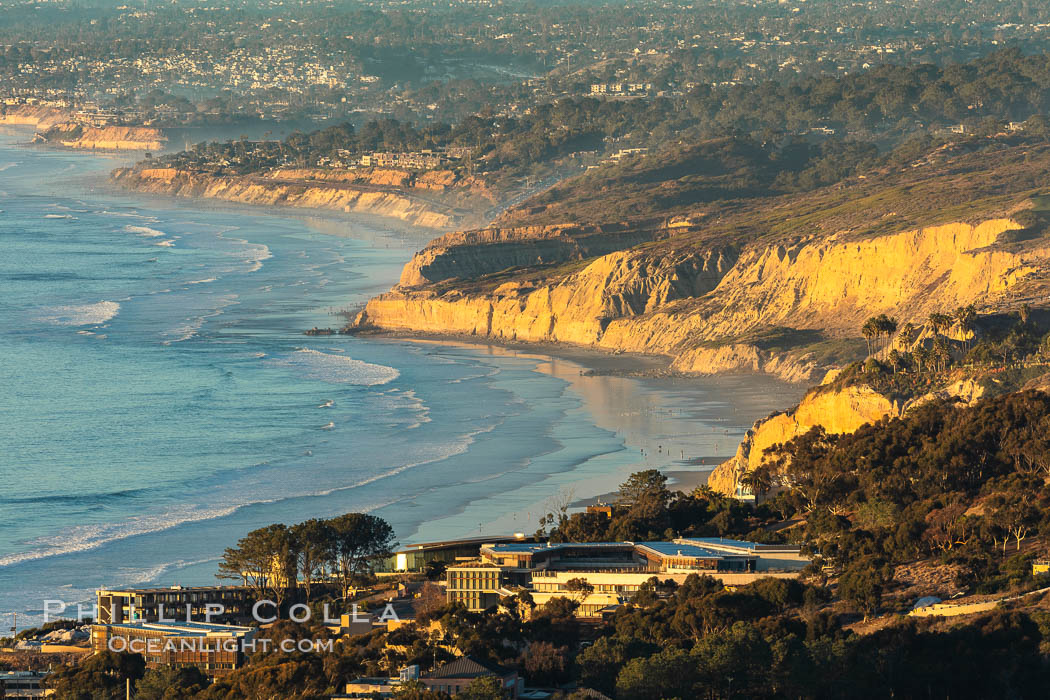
161	400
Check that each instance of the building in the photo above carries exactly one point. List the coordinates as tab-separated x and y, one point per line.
455	676
128	604
1040	566
368	688
214	649
768	557
612	571
415	557
23	684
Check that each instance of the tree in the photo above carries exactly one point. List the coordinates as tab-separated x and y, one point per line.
579	588
861	584
939	322
360	540
546	664
642	488
870	330
415	690
169	683
1016	516
313	541
759	480
885	326
909	334
431	599
482	688
671	673
948	527
99	677
265	560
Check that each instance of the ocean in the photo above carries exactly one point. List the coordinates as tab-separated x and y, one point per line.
158	398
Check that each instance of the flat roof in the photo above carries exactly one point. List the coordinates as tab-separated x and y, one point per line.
183	629
723	542
533	547
169	589
489	539
680	548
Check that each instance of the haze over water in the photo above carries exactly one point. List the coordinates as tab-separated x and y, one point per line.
158	399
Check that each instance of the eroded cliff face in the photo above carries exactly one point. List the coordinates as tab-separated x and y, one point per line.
293	189
31	115
837	410
694	304
576	309
109	138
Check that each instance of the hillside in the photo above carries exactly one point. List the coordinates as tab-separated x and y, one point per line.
774	283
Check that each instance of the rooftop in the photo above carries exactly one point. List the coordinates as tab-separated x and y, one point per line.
168	589
184	629
466	667
681	548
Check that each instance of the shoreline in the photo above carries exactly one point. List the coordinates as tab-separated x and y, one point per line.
613	422
629	372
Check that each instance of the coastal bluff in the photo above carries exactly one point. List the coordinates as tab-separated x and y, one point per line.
712	307
433	200
105	138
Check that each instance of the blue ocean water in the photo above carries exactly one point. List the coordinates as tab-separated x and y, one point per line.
158	398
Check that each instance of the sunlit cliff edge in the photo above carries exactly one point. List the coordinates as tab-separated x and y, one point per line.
435	200
781	287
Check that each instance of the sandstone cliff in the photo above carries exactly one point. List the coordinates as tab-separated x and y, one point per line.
382	193
31	115
108	138
837	410
699	304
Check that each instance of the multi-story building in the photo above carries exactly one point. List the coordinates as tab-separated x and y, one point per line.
179	603
23	684
214	649
415	557
601	575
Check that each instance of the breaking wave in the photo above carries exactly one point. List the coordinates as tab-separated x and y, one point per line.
86	315
337	369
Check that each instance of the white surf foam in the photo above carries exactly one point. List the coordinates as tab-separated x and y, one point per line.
337	369
85	315
145	231
82	538
166	243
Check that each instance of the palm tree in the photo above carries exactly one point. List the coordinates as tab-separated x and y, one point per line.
909	333
965	317
886	326
941	357
870	329
940	322
922	356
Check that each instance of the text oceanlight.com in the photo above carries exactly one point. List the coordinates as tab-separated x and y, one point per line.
263	612
156	646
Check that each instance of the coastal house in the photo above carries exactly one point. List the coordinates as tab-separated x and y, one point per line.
214	649
455	676
603	575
